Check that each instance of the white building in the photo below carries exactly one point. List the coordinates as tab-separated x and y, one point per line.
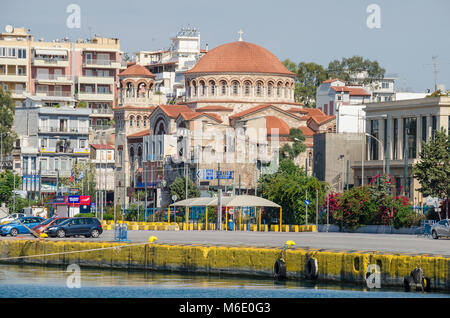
169	65
346	102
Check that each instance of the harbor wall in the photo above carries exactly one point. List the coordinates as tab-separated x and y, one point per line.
332	266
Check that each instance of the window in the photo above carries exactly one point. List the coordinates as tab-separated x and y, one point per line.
203	92
410	136
82	143
247	88
224	87
235	88
212	84
384	84
433	126
424	129
138	121
373	143
279	89
395	140
131	121
259	89
269	89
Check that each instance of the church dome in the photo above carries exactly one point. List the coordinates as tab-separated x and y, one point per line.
240	57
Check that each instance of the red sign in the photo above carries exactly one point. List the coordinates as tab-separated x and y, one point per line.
85	200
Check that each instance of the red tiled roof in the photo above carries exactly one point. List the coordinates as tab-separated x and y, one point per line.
320	120
249	111
332	80
273	122
354	91
174	110
214	108
137	70
308	132
141	133
100	146
242	57
193	115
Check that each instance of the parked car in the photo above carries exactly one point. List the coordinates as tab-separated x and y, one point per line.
40	228
20	226
89	227
11	218
441	228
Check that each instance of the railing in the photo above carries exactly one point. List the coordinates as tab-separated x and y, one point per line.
100	62
50	59
101	111
101	127
54	93
54	77
65	129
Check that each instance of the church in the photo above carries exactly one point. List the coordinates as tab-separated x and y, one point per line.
238	111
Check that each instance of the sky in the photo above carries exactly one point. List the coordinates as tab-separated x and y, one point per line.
405	37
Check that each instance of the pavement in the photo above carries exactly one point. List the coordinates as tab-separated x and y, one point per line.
388	243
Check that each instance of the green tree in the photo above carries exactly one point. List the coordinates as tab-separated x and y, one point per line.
289	151
7	109
6	191
433	169
347	70
178	188
288	187
309	77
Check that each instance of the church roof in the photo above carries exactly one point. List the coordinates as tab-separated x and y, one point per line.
240	57
273	122
174	110
136	70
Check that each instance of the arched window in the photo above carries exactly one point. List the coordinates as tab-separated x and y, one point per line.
223	84
235	87
195	88
138	121
212	84
203	89
131	121
259	88
279	89
145	122
131	154
269	89
247	86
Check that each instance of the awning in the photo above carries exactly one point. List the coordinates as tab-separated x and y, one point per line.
50	52
235	201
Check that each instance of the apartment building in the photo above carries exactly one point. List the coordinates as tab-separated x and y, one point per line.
51	141
169	65
86	70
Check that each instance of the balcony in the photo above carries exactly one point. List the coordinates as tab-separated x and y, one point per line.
13	61
50	62
13	77
54	94
54	78
99	63
92	96
54	173
90	79
67	130
101	127
17	93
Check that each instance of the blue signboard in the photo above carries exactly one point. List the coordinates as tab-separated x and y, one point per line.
209	174
307	202
74	199
224	175
60	199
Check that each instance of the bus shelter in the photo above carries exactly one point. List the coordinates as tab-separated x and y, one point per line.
239	205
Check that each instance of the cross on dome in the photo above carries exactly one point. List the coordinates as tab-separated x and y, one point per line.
240	35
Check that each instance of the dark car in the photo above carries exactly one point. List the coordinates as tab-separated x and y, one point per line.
89	227
48	223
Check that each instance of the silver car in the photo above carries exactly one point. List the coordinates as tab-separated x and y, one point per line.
441	228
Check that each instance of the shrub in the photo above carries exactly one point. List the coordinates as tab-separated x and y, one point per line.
84	215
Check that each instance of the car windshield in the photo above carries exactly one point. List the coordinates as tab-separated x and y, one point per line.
64	222
48	221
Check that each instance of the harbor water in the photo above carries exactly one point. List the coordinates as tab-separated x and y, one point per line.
35	281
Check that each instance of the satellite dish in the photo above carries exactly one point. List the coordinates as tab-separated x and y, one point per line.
9	28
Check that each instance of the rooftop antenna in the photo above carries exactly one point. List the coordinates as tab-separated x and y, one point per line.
435	71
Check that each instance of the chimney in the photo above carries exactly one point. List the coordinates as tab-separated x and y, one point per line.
206	48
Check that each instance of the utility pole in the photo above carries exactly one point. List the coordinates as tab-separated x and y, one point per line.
317	208
306	214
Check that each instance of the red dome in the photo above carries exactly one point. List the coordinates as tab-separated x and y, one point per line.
240	57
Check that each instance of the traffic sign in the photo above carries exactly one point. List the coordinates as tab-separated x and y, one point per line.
307	202
224	174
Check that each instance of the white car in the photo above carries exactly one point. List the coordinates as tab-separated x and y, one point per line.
441	228
11	218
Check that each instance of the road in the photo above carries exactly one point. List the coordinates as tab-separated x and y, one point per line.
389	243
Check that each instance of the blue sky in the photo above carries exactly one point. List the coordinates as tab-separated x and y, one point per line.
311	31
